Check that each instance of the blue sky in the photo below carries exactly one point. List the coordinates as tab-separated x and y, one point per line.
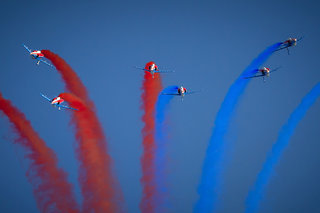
208	44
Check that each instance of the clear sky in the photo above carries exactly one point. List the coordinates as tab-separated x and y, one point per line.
208	44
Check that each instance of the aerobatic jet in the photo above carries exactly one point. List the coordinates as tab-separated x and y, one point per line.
152	68
263	72
288	43
37	55
179	91
56	102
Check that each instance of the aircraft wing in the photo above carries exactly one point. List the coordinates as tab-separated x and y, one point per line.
281	48
255	76
141	68
66	107
275	69
164	71
48	99
300	38
43	61
156	71
27	48
192	92
170	94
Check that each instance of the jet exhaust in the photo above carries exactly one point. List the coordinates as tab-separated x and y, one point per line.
257	192
150	90
210	180
100	189
52	191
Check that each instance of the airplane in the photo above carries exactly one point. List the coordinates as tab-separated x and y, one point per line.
264	72
152	68
56	102
288	43
37	55
180	91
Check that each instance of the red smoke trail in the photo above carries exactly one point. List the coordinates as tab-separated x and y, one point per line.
97	182
150	90
52	191
71	79
100	189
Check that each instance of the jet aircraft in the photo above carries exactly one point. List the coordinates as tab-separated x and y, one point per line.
288	43
37	55
263	72
152	68
56	102
180	91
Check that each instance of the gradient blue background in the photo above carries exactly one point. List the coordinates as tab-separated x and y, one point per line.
208	43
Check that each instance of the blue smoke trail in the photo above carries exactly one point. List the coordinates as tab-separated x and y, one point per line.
256	194
210	178
162	201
